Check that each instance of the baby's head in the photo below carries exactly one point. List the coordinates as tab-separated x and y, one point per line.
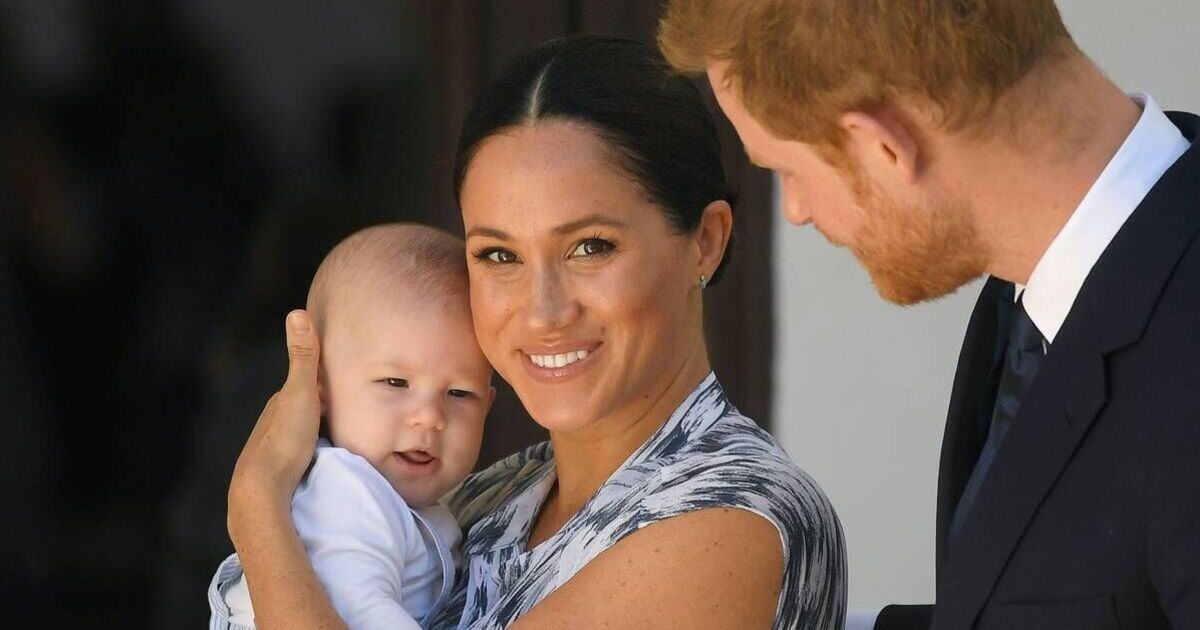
403	382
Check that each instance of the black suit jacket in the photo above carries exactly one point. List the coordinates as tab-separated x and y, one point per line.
1090	515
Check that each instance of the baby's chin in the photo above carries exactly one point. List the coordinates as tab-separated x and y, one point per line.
421	493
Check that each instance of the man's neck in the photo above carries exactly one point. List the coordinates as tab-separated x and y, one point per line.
1025	190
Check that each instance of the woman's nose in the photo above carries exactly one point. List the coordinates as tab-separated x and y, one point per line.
550	305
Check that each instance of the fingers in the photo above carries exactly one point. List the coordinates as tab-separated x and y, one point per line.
303	353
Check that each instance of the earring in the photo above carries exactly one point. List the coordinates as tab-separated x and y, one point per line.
703	282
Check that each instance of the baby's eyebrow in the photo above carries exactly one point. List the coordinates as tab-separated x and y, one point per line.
390	366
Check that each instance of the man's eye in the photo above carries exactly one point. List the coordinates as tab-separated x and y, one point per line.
496	255
592	247
460	393
395	382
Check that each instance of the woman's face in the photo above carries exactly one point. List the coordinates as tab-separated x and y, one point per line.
584	296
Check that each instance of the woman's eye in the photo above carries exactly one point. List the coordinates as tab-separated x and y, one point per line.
591	247
459	393
395	382
497	256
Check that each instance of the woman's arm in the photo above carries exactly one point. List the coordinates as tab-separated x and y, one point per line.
716	568
283	586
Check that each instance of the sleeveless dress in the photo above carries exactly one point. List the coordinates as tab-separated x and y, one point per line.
707	455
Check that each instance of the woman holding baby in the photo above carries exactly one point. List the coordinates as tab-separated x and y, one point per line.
596	212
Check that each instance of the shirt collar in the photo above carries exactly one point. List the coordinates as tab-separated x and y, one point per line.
1149	150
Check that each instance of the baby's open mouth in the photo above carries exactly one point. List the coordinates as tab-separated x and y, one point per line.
416	457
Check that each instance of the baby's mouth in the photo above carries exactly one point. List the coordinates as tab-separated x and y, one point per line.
416	457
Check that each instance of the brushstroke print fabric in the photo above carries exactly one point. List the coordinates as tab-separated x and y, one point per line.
707	455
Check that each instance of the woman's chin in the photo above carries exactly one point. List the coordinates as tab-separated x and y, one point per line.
559	416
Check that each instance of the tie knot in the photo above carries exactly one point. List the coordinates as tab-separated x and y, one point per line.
1022	333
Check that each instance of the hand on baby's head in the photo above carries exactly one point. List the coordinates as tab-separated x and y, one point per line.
404	383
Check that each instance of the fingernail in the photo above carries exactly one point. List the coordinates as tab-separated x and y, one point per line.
297	322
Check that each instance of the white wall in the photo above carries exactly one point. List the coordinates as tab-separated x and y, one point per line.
861	387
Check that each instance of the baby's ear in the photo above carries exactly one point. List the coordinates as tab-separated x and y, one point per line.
321	391
491	397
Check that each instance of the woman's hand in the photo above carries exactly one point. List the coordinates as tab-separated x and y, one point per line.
282	583
282	443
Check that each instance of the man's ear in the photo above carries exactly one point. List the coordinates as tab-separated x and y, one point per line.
883	144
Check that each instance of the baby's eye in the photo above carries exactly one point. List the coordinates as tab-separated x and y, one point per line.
592	247
396	382
460	393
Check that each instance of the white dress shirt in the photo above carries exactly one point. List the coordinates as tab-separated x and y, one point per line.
1149	150
1153	145
383	564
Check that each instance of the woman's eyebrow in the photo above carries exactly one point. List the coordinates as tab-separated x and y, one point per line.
588	221
487	231
565	228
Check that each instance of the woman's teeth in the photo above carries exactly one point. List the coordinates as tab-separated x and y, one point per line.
558	360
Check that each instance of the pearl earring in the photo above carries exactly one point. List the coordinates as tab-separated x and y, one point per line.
703	282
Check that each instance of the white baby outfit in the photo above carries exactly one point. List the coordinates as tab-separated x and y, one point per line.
382	563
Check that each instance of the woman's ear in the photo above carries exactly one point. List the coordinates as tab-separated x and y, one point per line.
883	144
712	236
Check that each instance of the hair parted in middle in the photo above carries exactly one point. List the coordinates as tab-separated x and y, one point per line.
652	119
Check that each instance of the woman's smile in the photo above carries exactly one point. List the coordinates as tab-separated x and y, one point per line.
553	366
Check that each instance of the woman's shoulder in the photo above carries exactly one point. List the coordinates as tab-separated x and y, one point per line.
484	491
738	464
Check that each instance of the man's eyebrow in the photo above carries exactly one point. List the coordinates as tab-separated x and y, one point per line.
565	228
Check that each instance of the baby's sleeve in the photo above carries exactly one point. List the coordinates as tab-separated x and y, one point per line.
357	531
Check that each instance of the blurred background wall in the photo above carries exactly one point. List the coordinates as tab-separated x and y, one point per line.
862	387
171	173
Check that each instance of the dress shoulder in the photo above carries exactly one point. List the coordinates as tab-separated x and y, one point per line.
491	488
738	465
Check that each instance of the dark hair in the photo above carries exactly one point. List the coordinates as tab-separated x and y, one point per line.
653	119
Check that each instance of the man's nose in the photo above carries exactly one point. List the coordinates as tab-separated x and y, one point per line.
794	209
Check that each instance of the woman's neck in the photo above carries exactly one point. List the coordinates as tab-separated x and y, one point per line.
586	458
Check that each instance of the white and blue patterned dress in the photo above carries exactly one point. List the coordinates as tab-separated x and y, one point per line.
706	455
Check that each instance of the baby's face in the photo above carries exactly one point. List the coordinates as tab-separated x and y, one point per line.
406	387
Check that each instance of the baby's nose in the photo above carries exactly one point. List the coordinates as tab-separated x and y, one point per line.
429	415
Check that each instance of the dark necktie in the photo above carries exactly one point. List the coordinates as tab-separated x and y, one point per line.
1022	357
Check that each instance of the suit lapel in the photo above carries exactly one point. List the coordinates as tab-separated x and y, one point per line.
974	385
1111	312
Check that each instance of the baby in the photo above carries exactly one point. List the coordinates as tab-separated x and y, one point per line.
404	391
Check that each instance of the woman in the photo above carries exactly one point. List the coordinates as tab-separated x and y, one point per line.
596	212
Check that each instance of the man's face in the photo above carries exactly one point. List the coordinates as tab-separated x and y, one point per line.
913	251
813	190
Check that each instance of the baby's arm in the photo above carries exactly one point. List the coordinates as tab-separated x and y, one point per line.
356	530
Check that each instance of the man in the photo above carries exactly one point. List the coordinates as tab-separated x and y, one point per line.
941	140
